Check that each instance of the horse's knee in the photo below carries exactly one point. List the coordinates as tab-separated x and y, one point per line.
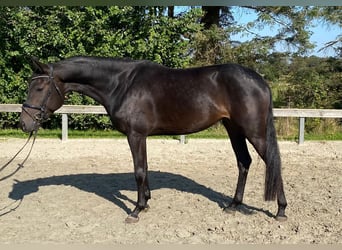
140	175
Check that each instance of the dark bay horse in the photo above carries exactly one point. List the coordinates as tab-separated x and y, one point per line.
144	98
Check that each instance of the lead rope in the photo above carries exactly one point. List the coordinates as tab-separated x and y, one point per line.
20	165
10	209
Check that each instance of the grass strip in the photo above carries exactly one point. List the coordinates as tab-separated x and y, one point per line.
211	133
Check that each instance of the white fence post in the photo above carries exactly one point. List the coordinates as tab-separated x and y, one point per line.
64	127
301	130
182	139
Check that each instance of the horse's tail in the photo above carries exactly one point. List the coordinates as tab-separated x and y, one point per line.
273	180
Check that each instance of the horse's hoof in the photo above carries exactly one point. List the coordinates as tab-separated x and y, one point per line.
281	218
131	219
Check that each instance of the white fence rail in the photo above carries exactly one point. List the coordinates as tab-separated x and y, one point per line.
86	109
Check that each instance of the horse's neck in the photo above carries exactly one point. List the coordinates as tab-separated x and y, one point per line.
87	90
88	81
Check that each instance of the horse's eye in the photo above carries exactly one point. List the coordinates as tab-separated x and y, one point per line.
39	89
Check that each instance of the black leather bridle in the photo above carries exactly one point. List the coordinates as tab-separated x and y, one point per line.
42	108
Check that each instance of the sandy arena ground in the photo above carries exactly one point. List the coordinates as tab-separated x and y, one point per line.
81	191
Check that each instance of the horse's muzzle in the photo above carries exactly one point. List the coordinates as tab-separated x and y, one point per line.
28	125
28	128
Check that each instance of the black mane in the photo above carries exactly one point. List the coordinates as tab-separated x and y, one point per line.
103	60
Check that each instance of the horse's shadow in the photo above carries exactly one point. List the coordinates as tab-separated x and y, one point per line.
109	186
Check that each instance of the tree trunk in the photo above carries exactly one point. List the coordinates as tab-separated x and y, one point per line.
171	11
211	16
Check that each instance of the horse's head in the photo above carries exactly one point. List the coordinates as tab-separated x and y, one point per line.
45	95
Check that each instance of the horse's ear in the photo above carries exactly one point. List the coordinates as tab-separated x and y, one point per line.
38	67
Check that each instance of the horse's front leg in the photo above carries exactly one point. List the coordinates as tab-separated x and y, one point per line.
137	145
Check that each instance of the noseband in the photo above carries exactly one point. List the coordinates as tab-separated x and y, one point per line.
42	108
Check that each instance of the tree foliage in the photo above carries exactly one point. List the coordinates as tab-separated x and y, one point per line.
54	33
194	37
315	83
296	80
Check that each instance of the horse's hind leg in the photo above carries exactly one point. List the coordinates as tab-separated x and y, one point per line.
238	141
269	152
